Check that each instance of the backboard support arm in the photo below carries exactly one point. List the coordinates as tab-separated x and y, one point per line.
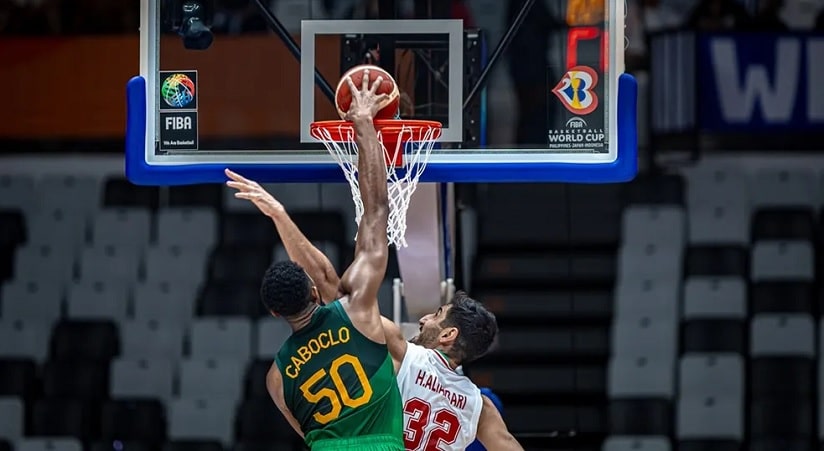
276	26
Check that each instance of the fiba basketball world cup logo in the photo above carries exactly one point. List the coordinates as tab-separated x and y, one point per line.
178	90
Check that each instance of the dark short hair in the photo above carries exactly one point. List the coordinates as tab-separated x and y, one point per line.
477	327
286	290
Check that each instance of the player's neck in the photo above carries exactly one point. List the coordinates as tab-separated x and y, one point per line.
302	319
449	360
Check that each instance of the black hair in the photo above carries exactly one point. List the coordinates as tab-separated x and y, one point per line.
286	290
477	327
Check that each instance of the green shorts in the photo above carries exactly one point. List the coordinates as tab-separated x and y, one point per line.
367	443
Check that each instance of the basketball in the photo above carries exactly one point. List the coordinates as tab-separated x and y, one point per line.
343	96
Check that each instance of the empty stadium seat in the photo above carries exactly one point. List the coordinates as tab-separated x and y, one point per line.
29	300
120	193
58	227
110	262
239	263
640	417
62	418
16	192
192	445
271	334
659	225
25	339
45	263
255	379
196	196
298	197
717	261
782	260
641	377
97	298
12	418
248	229
285	445
709	445
725	186
187	227
141	421
18	378
329	249
80	193
186	265
229	298
56	443
497	232
711	375
782	335
167	301
122	226
202	378
654	338
725	335
782	377
782	444
138	378
781	418
710	417
75	380
715	297
783	297
201	419
84	340
12	228
657	189
650	261
221	338
151	340
783	224
655	298
258	420
778	187
718	224
119	445
637	444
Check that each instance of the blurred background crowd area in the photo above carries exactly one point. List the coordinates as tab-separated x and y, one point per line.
67	17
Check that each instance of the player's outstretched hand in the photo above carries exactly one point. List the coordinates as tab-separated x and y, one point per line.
365	101
252	191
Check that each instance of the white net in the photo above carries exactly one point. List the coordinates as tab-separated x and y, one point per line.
413	142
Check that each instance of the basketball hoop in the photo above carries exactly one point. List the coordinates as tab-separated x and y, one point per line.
407	145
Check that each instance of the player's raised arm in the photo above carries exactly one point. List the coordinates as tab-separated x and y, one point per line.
492	431
299	248
364	276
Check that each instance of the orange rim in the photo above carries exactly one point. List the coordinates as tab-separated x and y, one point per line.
388	129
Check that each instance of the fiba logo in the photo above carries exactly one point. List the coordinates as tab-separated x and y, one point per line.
177	90
576	123
576	90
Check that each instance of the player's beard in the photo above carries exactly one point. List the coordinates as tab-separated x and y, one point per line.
428	337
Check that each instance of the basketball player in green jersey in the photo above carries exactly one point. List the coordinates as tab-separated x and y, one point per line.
333	379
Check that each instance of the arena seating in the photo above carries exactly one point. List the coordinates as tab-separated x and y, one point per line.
670	313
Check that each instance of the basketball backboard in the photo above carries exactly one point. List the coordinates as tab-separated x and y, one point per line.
555	105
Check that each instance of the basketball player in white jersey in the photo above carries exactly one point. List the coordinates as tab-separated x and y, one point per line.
443	410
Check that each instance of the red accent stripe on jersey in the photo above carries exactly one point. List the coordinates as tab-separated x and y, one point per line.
443	360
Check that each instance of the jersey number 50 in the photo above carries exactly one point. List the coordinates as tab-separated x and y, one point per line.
445	432
340	395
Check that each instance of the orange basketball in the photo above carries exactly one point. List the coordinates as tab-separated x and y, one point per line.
343	97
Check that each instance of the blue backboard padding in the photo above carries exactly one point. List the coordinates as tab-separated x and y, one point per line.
622	169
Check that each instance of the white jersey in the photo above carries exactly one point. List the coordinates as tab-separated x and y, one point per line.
441	407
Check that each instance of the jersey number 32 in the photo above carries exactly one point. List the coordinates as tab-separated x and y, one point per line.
419	432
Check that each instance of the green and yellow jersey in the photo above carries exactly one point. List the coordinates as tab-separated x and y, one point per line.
340	385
